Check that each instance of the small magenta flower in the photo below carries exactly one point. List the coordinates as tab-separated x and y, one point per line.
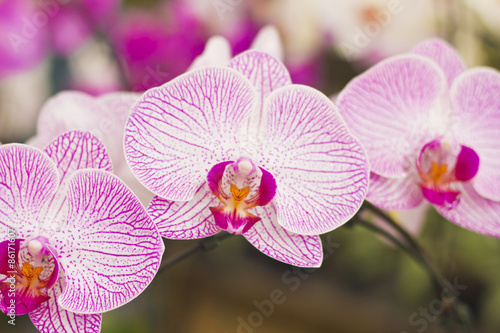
75	241
430	129
243	150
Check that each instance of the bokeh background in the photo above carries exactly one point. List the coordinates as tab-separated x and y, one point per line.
365	285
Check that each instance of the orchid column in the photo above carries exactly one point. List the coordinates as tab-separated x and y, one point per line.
243	150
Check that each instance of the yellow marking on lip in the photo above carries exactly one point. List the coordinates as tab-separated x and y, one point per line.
437	171
239	194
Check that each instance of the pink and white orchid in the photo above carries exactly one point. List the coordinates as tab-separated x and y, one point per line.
431	131
75	241
104	116
243	150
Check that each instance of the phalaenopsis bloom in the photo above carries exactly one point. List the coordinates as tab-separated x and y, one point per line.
431	130
75	241
241	149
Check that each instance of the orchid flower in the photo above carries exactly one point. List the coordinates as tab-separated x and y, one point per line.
104	116
431	131
243	150
75	241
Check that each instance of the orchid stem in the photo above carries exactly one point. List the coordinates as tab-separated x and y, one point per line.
206	244
408	238
417	253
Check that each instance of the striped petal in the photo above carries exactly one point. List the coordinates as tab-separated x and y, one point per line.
185	219
67	111
177	132
28	181
394	193
71	152
110	248
50	317
273	240
103	116
444	55
391	108
474	212
476	99
321	170
266	74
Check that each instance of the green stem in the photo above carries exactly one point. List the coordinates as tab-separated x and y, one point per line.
417	253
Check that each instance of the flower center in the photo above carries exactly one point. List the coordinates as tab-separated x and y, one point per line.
441	167
21	291
239	186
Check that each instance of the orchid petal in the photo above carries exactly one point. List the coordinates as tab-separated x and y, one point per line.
266	74
50	317
28	181
104	117
71	152
273	240
440	197
394	193
217	53
110	249
66	111
185	220
321	170
467	164
444	55
268	40
389	109
177	132
476	99
474	212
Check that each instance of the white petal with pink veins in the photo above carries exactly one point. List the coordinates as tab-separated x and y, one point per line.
476	100
110	249
71	152
66	111
178	131
321	170
50	317
390	108
185	219
272	239
474	212
266	74
28	180
444	55
395	193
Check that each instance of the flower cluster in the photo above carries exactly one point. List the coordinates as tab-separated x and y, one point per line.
232	145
